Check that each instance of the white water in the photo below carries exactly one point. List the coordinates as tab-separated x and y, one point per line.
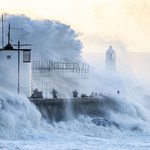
22	128
50	40
17	115
21	125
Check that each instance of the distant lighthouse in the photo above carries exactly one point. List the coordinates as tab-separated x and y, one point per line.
110	59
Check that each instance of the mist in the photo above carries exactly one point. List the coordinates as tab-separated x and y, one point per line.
95	25
57	41
53	40
49	39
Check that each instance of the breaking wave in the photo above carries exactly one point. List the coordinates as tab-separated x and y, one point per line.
17	116
20	119
129	114
49	39
54	40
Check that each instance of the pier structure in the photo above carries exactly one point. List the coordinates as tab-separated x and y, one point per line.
65	109
62	109
62	76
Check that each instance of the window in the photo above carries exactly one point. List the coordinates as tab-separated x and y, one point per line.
8	56
26	56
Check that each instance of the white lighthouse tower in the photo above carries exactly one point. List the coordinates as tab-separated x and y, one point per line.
110	59
15	67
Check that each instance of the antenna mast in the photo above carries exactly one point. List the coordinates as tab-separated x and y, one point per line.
9	34
2	31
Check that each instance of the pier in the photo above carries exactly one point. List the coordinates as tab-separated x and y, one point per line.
62	109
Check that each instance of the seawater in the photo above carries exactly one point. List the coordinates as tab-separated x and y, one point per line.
22	127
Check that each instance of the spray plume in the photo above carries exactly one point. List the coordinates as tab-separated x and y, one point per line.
49	39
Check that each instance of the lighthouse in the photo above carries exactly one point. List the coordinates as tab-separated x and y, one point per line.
110	59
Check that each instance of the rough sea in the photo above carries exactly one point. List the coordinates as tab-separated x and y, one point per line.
22	128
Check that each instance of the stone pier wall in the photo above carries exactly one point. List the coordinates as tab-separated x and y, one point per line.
63	109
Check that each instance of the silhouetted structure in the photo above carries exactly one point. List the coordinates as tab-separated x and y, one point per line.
75	93
47	75
54	92
37	94
84	95
92	94
110	59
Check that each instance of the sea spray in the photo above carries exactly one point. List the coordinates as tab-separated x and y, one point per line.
49	39
131	107
129	114
69	114
17	115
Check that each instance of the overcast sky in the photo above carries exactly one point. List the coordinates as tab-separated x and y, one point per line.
124	24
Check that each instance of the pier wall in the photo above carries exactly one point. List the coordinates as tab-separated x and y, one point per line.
63	109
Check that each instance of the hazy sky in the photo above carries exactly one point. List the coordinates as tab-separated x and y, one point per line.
125	24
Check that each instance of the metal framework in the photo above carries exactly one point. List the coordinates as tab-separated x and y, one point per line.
47	75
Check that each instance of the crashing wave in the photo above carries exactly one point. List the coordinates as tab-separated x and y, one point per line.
105	122
49	39
17	115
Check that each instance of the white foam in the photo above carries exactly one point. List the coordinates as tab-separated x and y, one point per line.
17	115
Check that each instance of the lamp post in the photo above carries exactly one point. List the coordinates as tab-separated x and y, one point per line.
18	67
26	61
2	31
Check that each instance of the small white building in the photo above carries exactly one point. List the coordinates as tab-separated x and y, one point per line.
15	69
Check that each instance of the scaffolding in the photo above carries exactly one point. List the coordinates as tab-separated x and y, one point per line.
50	74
